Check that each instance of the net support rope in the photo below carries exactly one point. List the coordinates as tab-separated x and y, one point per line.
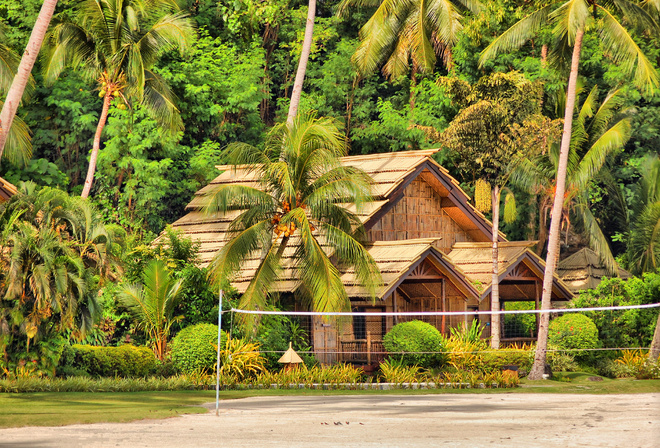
443	313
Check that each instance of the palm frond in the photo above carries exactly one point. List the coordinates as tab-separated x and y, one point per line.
625	53
18	146
597	240
645	240
518	34
569	18
317	272
243	245
159	101
612	140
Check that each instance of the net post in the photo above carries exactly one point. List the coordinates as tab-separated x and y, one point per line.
217	367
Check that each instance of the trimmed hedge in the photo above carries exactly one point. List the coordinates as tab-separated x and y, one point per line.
124	361
407	338
194	348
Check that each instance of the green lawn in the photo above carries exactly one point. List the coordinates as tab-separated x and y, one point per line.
66	408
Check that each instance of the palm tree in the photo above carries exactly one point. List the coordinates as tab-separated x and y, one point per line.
405	31
571	19
299	205
15	143
153	303
54	253
117	43
599	131
22	78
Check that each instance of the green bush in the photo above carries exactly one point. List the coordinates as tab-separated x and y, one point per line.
573	332
124	361
523	357
415	343
195	348
624	328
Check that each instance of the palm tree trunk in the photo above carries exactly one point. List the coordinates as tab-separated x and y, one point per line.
97	145
24	69
538	369
302	63
654	351
495	284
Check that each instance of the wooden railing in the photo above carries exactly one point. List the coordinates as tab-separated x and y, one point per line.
362	351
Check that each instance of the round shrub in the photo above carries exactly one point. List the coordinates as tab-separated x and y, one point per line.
194	348
415	343
573	332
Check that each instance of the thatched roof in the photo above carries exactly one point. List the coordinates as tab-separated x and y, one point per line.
397	259
584	270
476	261
7	190
391	173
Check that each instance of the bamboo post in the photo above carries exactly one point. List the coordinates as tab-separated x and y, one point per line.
368	348
217	379
444	307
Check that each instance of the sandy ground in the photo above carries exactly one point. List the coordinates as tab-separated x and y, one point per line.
515	420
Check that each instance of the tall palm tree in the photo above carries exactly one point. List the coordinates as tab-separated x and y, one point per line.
302	63
15	143
117	43
571	19
600	130
301	198
405	31
153	304
23	77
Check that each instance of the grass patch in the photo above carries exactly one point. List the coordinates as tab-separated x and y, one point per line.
67	408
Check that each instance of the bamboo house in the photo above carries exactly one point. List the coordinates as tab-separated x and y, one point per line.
431	245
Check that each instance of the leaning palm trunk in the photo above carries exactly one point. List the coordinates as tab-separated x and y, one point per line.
654	351
538	369
302	63
495	284
24	69
97	145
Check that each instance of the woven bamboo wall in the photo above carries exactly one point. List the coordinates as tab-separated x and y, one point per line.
419	214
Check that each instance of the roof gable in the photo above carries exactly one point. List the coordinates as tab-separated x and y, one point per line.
7	190
476	261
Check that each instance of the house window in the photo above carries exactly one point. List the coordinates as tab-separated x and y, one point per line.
359	325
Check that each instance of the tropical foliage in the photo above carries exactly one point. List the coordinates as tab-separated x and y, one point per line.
153	304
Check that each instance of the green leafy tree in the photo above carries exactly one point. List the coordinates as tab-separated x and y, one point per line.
301	192
153	304
491	137
571	19
117	43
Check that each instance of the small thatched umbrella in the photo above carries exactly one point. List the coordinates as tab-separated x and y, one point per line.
290	358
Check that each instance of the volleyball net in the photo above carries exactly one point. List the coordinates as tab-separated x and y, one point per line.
357	336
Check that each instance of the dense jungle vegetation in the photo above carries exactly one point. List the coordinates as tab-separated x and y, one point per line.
230	78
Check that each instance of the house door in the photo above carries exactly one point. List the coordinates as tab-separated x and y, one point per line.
325	340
